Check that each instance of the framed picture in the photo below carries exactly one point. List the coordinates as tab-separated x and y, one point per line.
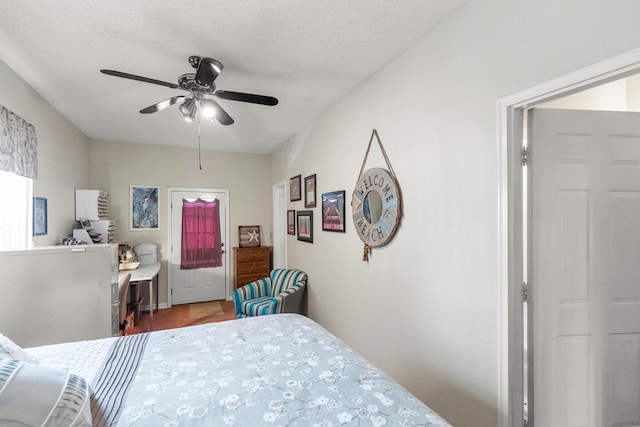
249	236
310	191
143	212
39	216
305	226
333	211
295	191
291	222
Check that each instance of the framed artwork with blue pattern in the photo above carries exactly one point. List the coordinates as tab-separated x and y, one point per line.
39	216
143	213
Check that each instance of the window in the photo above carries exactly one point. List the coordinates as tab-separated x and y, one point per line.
16	202
201	241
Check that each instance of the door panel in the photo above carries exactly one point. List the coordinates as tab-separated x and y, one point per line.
585	267
202	284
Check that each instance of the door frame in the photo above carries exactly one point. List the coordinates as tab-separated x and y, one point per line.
169	234
510	239
279	236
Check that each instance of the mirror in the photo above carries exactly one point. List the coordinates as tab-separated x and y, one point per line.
372	207
377	207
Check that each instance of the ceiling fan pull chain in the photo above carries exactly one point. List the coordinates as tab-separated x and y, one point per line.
199	150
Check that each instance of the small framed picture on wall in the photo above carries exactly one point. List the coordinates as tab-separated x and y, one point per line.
305	226
295	192
39	216
291	222
333	211
310	191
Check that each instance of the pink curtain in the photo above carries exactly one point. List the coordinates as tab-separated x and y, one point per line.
201	244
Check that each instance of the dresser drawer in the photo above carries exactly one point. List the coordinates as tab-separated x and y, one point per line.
254	267
251	264
252	255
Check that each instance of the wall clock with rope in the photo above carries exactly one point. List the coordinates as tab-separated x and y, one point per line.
376	203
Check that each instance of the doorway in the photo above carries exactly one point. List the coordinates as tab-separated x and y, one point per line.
571	353
201	284
279	226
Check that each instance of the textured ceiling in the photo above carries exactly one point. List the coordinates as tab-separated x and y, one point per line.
308	54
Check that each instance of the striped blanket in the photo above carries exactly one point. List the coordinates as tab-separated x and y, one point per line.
114	379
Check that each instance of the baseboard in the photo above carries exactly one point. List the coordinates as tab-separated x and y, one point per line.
145	308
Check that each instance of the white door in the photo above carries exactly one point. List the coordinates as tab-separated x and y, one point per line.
586	267
202	284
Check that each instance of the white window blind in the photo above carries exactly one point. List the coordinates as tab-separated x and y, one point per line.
16	207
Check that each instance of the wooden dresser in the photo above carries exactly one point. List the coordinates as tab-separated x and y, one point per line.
251	264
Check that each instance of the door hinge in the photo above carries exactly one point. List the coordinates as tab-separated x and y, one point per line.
525	291
524	155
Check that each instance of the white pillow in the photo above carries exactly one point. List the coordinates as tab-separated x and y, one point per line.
35	395
11	350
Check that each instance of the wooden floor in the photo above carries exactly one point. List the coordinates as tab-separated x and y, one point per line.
185	315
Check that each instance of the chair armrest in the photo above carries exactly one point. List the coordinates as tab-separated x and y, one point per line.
291	299
294	288
257	289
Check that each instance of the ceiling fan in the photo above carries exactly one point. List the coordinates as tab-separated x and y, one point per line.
199	85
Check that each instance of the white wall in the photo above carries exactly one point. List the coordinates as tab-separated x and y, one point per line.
426	308
63	153
116	166
56	294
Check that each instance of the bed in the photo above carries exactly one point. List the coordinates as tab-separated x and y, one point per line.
280	370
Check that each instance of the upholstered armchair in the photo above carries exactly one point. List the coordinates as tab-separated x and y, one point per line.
281	292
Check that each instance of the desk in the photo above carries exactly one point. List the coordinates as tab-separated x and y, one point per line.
146	273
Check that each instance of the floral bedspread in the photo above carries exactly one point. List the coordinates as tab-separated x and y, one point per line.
276	370
280	370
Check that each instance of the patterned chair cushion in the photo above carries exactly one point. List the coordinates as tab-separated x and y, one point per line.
260	306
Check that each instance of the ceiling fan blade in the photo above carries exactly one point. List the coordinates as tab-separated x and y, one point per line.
208	70
162	105
220	114
139	78
223	117
246	97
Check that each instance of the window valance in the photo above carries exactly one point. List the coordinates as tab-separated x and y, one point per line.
18	145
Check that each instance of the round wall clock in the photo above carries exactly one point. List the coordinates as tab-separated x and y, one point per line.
376	207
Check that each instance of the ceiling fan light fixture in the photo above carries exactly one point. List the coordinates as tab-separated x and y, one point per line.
189	117
188	107
207	109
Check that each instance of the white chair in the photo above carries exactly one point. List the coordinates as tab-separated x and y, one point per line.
123	289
